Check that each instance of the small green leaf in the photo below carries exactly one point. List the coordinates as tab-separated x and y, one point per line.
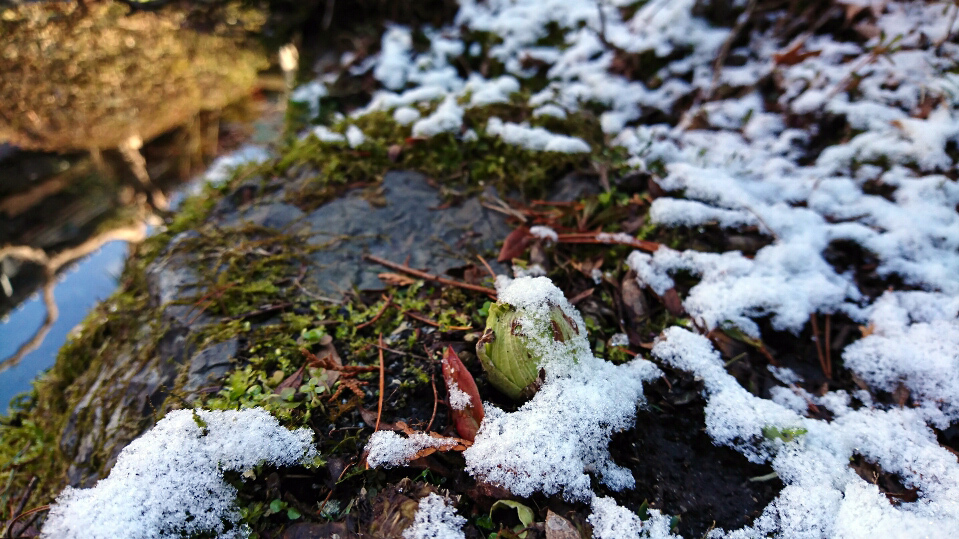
525	514
485	522
277	505
287	393
644	510
312	335
292	513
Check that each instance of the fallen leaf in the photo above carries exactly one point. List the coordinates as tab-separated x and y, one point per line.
292	381
515	244
673	303
794	55
396	279
634	300
467	419
581	296
558	527
394	152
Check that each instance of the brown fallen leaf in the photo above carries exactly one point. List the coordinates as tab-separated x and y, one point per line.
396	279
794	55
558	527
292	381
634	301
515	244
673	302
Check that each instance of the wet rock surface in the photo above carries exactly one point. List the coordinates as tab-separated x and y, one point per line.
404	222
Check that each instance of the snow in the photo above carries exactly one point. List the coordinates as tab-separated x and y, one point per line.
387	448
221	170
459	399
823	496
169	481
406	115
310	93
448	118
914	342
535	138
611	521
325	134
354	136
435	519
544	232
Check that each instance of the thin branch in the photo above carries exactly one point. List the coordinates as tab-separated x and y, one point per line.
8	532
488	268
435	401
430	277
826	369
425	320
605	238
728	44
389	301
379	404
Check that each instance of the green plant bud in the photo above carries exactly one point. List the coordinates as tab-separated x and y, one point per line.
512	352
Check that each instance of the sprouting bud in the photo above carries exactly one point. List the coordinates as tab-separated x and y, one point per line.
513	346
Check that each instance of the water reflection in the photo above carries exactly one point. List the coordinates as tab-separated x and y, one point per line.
76	292
104	110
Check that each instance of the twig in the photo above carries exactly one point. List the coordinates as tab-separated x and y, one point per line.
389	301
827	344
425	320
264	310
728	44
26	495
948	34
429	276
320	509
379	404
819	351
402	353
486	265
605	238
8	532
298	284
435	400
208	299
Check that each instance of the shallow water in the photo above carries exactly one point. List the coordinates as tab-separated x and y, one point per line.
77	291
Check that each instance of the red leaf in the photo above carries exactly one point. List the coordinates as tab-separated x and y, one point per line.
515	244
466	420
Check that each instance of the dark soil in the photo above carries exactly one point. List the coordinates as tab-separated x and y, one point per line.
679	471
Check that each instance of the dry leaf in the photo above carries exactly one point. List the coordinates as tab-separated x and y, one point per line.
558	527
793	56
515	244
294	381
396	279
673	303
